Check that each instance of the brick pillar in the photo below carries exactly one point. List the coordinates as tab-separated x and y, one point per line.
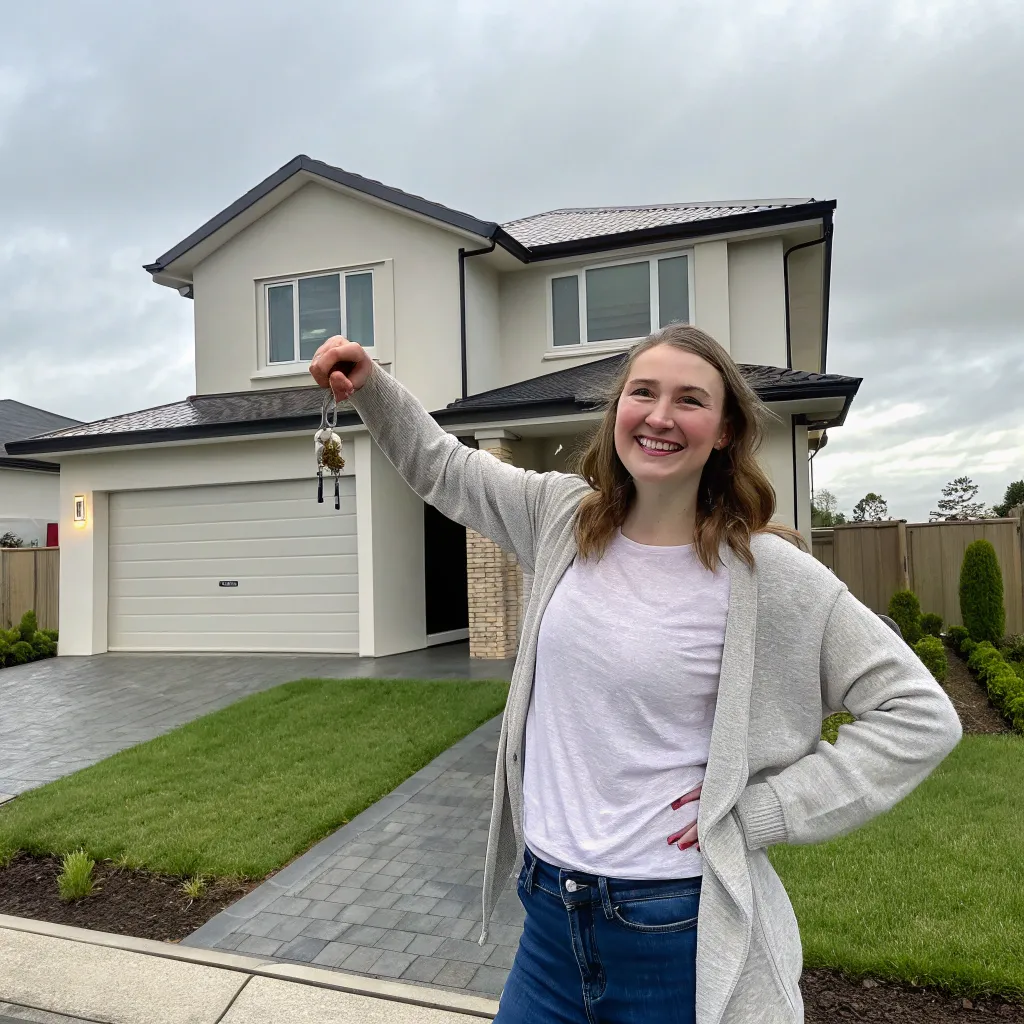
495	579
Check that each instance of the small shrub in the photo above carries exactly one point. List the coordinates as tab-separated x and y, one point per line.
981	593
194	888
29	626
930	650
75	882
1013	647
43	646
931	624
967	647
21	653
51	633
905	611
957	635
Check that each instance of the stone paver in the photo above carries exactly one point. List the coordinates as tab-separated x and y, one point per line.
63	714
396	892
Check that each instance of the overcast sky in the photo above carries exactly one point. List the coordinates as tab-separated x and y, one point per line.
123	126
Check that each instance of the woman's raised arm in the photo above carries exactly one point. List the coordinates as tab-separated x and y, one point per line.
472	487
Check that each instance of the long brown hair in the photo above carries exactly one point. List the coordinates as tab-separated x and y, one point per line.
735	497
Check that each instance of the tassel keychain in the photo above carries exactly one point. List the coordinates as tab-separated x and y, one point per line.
327	446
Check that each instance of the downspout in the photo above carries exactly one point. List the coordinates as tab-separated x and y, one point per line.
826	235
463	254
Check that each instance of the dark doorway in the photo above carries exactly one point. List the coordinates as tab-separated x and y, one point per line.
444	573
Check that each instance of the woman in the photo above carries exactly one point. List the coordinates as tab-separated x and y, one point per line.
678	655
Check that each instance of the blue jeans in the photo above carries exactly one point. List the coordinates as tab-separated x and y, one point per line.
598	950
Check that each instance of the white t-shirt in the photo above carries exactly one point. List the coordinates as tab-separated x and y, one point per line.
625	686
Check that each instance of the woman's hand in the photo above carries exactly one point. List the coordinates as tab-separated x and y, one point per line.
688	837
341	365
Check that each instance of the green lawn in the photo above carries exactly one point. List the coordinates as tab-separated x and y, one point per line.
243	790
933	891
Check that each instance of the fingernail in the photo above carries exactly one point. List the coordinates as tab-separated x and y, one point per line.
676	804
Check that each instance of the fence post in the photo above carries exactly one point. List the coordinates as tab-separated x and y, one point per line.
901	542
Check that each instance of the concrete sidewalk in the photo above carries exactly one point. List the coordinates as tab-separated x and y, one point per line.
53	973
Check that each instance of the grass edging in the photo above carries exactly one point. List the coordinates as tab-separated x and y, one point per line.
244	790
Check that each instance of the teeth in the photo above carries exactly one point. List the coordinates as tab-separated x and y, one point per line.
659	446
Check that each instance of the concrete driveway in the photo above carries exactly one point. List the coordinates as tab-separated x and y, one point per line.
63	714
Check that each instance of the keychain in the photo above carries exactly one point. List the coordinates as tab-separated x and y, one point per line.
327	445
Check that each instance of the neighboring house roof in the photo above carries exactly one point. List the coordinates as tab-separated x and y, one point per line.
19	421
542	236
289	409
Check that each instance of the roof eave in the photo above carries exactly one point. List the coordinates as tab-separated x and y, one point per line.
35	465
819	209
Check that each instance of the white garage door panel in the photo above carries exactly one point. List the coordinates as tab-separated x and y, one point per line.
232	568
295	562
275	586
214	550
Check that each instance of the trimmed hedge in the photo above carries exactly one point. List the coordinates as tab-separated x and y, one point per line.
931	651
905	611
26	642
1005	686
957	635
981	593
931	624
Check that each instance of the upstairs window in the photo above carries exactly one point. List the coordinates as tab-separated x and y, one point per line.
619	301
302	314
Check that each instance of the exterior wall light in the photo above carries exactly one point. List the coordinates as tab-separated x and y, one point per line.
79	511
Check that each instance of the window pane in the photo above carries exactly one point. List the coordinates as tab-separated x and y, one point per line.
619	302
319	312
359	308
282	323
673	291
565	310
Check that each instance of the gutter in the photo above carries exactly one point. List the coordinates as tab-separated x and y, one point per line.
463	255
37	465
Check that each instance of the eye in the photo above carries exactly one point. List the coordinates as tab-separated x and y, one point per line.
641	391
695	401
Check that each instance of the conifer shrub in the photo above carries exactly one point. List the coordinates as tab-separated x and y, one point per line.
905	611
930	650
981	593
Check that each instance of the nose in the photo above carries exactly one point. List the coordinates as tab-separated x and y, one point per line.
659	418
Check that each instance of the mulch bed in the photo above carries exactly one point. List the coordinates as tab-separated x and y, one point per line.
124	902
154	907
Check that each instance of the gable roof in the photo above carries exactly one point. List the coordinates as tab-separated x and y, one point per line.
19	421
236	414
541	236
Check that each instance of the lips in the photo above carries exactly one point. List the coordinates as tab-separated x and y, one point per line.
657	448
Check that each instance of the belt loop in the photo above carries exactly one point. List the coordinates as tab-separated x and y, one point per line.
531	866
606	900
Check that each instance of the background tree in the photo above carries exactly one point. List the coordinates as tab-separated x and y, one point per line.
825	510
957	501
1013	497
872	508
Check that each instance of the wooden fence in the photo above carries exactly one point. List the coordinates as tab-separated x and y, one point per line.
876	559
29	580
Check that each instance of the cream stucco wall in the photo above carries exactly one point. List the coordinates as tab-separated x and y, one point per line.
711	311
777	459
757	302
416	291
805	282
483	338
29	500
390	526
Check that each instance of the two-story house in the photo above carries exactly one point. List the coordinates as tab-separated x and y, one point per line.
198	527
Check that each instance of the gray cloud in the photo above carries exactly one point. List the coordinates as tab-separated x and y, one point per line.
124	126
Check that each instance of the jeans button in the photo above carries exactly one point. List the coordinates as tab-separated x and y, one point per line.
570	886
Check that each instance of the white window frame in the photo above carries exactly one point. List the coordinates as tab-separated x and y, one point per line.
581	274
294	282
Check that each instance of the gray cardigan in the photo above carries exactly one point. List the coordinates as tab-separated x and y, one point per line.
798	647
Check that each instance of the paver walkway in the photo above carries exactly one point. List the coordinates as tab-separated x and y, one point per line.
63	714
396	892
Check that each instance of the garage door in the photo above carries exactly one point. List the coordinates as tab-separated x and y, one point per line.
237	567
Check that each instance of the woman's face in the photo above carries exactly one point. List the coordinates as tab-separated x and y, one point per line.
669	416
